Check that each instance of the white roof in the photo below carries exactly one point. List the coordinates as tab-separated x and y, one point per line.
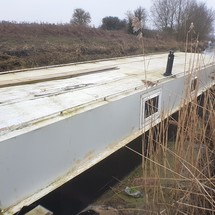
31	96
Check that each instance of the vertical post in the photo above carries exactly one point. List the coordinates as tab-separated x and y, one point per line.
169	64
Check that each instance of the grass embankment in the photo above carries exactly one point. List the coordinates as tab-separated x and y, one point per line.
32	45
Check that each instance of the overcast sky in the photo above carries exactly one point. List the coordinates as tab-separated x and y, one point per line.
60	11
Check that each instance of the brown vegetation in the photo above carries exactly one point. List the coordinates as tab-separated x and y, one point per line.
31	45
178	176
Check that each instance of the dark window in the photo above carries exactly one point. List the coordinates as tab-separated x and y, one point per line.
151	106
193	84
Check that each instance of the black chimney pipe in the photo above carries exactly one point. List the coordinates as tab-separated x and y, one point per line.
169	64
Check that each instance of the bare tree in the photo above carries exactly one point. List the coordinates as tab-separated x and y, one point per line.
113	23
129	17
140	13
181	16
80	17
163	13
203	19
175	16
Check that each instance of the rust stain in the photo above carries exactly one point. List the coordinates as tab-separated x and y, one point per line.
149	83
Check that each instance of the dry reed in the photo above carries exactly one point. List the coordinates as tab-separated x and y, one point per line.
179	175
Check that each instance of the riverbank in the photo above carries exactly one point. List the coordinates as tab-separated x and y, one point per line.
32	45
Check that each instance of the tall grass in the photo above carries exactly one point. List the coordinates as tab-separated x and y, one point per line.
178	175
178	172
183	169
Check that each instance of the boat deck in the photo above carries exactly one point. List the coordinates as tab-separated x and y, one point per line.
31	96
56	122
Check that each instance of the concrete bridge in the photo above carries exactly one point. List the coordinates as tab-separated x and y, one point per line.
56	122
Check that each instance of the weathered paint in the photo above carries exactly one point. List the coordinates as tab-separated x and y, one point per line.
51	132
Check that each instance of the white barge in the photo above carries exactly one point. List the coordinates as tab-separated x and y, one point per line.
57	122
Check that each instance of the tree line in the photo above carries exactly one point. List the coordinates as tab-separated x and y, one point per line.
172	17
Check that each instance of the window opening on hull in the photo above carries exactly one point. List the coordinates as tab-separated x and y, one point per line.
151	106
194	84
